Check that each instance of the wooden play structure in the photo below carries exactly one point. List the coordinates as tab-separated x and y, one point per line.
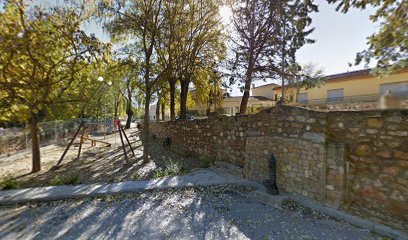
85	136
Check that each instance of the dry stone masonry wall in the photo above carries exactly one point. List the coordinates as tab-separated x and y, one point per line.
352	160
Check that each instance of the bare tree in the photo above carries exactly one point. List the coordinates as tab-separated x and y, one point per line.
261	28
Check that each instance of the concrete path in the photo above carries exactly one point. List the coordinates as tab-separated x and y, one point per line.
198	178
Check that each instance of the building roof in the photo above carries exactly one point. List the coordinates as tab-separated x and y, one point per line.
339	76
262	98
256	98
349	74
267	85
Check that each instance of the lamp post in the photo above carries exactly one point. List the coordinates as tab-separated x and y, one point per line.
215	84
109	83
215	91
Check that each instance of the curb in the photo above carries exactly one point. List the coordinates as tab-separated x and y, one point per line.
195	179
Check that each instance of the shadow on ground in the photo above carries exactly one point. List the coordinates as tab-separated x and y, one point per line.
108	164
194	213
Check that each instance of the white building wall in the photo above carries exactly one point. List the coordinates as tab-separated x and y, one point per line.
152	113
264	91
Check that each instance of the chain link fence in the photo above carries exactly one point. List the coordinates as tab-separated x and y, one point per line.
18	139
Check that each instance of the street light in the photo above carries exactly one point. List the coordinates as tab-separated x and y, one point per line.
215	84
109	83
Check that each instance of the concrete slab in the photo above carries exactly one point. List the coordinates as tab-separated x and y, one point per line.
198	178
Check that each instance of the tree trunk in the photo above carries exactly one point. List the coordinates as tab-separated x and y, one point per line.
183	99
35	144
209	103
129	110
129	113
282	100
248	82
146	128
163	112
117	104
172	83
158	108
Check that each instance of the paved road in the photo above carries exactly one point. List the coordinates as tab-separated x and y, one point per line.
199	213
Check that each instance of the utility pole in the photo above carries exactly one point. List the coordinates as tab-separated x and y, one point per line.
106	124
215	85
215	92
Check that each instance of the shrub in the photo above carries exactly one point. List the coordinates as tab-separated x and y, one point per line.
291	205
171	169
69	180
56	181
135	176
158	173
9	184
207	161
72	180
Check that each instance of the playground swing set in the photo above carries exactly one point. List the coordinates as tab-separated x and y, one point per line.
85	136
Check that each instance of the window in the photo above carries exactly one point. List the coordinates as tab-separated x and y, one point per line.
301	98
276	97
398	88
335	95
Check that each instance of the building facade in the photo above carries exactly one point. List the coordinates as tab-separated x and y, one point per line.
152	113
349	87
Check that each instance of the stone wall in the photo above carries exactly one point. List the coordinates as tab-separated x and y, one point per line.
376	169
300	166
356	161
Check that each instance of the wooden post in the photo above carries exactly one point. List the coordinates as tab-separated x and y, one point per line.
123	144
127	140
69	144
81	141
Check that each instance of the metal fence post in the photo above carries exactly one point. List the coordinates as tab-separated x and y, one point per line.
26	137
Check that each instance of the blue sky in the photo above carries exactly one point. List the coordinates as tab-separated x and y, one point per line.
339	37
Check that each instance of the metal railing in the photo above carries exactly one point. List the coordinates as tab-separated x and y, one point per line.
349	99
18	139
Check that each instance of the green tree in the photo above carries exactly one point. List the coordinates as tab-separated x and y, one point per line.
201	41
169	47
389	45
191	38
204	92
137	24
43	54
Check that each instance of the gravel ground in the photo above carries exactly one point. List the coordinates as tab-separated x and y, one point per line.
194	213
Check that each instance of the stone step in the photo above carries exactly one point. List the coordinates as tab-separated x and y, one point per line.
228	168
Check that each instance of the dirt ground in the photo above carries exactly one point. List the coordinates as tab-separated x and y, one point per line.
96	164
